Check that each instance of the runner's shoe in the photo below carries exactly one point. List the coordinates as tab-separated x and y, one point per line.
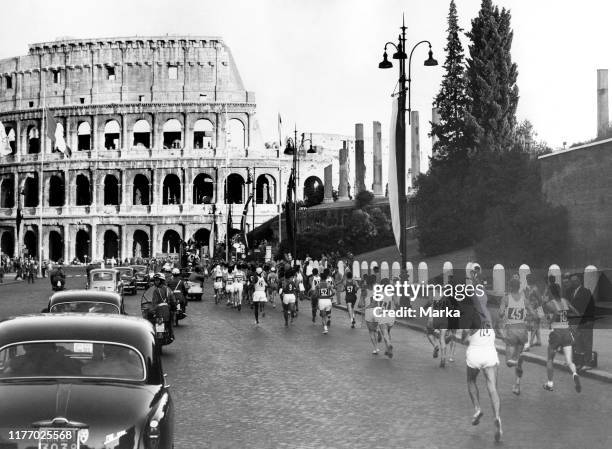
498	430
435	352
442	363
325	330
476	417
577	383
516	389
547	386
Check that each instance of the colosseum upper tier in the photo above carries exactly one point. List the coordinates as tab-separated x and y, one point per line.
162	136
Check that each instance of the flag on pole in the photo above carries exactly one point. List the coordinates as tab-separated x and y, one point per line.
244	219
51	125
280	133
288	209
5	145
60	142
211	238
229	224
393	176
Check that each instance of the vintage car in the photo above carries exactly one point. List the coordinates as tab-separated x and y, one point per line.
142	276
128	279
82	381
105	280
85	301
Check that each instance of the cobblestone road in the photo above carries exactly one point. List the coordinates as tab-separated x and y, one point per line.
238	385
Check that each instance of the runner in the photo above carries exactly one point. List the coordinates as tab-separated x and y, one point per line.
350	296
324	292
259	295
515	309
385	322
218	284
226	292
481	355
314	301
288	291
370	319
272	286
229	287
436	328
239	278
561	335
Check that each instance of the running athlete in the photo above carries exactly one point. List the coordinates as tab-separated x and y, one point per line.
481	355
371	321
239	278
324	292
259	295
229	287
288	291
314	281
228	293
385	321
218	283
514	309
561	335
436	328
350	296
251	279
272	286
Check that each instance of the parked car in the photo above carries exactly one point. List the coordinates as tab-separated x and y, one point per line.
85	301
83	380
128	280
141	275
105	280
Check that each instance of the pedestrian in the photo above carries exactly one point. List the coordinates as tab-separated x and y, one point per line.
534	322
370	319
481	355
325	293
386	319
259	295
350	296
561	336
514	309
582	300
288	291
314	300
272	282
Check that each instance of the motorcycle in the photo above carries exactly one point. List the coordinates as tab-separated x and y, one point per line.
161	318
59	285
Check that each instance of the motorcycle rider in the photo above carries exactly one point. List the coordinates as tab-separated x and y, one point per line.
155	295
57	278
179	288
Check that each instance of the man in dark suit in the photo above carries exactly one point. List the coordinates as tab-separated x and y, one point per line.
582	299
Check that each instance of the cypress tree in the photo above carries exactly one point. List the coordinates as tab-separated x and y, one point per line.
491	81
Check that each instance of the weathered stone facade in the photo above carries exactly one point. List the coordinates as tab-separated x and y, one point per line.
152	124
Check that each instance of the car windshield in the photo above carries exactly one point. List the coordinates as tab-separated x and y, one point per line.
125	271
74	359
102	276
84	307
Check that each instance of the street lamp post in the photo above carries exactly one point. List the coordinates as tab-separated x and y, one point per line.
400	137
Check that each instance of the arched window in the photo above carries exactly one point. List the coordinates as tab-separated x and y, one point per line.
203	189
56	246
173	134
112	132
10	134
203	134
84	136
111	190
202	237
236	135
83	190
56	191
7	243
141	192
140	247
142	134
81	246
33	140
313	191
111	245
171	242
30	241
172	190
265	192
30	192
7	194
234	191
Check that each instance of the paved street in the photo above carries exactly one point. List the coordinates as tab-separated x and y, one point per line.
237	385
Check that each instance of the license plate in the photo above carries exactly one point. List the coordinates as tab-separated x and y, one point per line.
60	438
160	327
101	288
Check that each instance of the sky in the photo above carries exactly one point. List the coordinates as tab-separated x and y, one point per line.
316	61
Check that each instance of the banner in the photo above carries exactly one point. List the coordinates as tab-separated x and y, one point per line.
394	205
5	145
243	220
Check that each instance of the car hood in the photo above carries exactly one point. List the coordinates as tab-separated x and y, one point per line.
111	411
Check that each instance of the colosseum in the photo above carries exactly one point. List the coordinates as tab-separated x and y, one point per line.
162	137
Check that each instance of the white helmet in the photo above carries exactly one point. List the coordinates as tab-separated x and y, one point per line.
176	271
258	270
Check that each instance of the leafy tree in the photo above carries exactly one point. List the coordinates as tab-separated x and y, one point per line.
491	81
363	198
451	100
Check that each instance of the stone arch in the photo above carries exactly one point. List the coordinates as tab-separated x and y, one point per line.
236	136
171	189
202	236
83	190
84	136
313	190
56	246
141	192
112	135
234	189
30	242
265	189
141	244
82	245
203	189
7	194
110	244
7	243
30	191
10	134
171	241
33	135
203	134
172	134
141	134
57	190
111	190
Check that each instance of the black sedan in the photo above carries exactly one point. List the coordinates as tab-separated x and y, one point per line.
128	279
141	275
82	381
85	301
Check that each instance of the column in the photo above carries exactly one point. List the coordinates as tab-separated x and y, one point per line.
328	186
93	241
377	139
152	187
125	140
359	160
67	245
187	191
153	131
94	133
124	251
73	138
122	180
343	187
603	120
94	188
18	147
153	240
415	147
68	189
